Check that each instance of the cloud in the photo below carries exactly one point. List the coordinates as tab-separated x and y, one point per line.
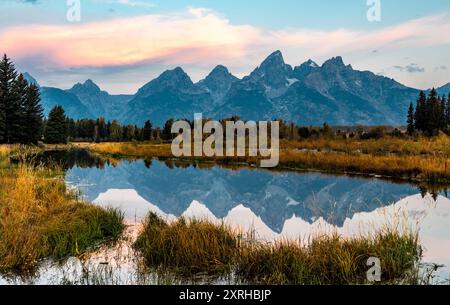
202	37
412	68
134	3
440	68
199	34
21	1
177	38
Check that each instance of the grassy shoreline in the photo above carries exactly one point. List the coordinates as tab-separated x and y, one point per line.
40	218
414	160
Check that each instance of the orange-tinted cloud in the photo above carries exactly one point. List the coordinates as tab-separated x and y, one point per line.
198	35
183	38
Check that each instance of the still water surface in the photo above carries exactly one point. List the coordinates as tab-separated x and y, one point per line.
271	204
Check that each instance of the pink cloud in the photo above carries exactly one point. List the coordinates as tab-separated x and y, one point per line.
166	37
203	38
131	40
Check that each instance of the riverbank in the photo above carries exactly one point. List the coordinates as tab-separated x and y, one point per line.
408	159
40	218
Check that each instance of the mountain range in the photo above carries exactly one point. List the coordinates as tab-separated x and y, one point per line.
307	94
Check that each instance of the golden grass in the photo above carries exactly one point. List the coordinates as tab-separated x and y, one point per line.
330	260
187	247
5	150
415	168
133	149
436	146
39	218
190	247
420	159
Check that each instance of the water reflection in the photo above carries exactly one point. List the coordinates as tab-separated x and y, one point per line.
274	204
273	196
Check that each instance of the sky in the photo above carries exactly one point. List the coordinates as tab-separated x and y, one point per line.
123	44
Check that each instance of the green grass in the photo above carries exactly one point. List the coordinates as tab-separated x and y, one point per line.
189	247
40	218
329	260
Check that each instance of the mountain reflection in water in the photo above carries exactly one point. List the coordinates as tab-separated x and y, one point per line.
272	203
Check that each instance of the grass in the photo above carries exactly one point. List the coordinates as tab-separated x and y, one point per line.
329	260
411	159
387	145
410	168
186	248
40	218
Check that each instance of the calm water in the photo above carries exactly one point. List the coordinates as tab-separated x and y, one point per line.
272	204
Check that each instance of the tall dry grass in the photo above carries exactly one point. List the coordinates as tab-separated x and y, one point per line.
330	260
415	168
435	146
187	247
190	247
39	218
133	149
423	159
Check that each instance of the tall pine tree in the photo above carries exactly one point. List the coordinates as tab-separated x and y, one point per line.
147	132
447	110
56	131
32	116
443	109
2	117
420	115
434	114
9	102
410	119
16	111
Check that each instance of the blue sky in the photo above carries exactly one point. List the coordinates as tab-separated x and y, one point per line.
122	44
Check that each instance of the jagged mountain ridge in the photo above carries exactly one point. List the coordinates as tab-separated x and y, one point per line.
307	94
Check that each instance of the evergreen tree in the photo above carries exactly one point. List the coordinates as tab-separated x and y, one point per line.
32	115
17	118
9	101
56	130
410	119
147	132
433	113
443	110
2	117
420	115
167	130
447	110
72	129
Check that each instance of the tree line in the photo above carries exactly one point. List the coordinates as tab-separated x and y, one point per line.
21	113
431	114
60	129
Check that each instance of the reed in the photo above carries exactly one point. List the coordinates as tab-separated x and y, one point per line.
330	260
187	247
387	145
40	218
190	247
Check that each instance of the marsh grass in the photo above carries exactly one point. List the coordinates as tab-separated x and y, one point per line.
187	248
329	260
417	160
387	145
40	218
